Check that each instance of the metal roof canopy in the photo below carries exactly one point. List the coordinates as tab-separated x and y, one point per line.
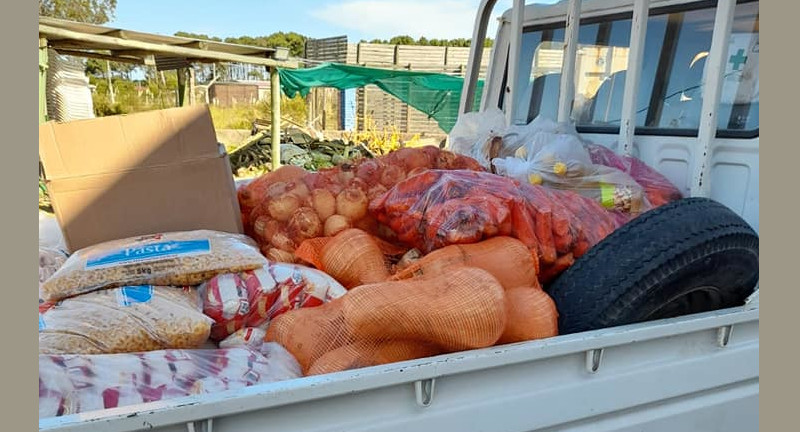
164	52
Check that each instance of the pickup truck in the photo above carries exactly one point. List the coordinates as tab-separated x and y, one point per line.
669	337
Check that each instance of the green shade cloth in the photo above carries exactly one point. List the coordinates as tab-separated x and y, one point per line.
434	94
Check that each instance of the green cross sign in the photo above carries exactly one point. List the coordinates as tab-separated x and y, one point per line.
738	59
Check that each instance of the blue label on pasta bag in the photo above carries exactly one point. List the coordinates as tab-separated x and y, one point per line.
149	252
41	322
130	295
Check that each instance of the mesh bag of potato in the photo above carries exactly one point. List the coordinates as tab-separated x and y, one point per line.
125	319
170	259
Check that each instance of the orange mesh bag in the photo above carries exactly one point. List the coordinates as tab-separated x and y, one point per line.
437	208
505	258
531	315
310	251
353	258
362	354
286	207
462	310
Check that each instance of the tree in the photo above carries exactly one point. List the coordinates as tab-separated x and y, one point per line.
402	40
88	11
197	36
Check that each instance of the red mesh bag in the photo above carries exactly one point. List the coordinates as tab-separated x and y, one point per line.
439	208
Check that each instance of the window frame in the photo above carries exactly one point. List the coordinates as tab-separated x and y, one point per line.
639	130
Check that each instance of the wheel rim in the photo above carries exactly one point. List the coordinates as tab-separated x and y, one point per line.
699	299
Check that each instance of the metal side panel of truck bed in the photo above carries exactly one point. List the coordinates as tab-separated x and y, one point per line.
695	373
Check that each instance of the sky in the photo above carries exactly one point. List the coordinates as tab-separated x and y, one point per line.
357	19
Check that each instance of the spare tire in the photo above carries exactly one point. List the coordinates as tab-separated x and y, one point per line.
689	256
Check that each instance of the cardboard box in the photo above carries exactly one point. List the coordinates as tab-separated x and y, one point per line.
130	175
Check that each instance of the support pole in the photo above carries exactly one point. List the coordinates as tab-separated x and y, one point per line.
275	105
181	86
712	89
641	11
43	60
567	91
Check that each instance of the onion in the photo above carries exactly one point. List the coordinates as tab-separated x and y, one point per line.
335	224
304	224
277	255
298	189
346	176
392	175
275	190
324	203
282	207
282	241
369	171
352	204
259	225
376	191
359	183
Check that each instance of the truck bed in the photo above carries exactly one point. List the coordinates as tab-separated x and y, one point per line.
694	373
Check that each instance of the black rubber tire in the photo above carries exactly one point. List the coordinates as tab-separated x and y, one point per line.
689	256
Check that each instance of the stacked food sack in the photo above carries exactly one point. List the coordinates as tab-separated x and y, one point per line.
158	298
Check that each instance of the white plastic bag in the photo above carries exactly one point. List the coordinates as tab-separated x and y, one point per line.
473	132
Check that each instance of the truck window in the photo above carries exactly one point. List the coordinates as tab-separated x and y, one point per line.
670	92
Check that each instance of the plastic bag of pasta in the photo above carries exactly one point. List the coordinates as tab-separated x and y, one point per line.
125	319
172	259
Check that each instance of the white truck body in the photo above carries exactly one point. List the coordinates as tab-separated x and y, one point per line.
692	373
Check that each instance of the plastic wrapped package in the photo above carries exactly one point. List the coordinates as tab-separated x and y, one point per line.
254	298
50	260
124	319
484	136
476	134
437	208
50	235
564	163
72	384
658	188
289	206
252	337
173	259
